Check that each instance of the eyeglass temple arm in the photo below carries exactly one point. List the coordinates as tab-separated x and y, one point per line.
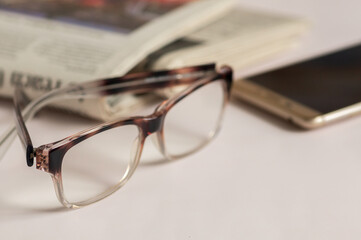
21	100
142	82
9	135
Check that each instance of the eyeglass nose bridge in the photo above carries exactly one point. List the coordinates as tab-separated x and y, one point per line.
152	124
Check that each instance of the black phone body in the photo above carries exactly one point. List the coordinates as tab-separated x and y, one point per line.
311	94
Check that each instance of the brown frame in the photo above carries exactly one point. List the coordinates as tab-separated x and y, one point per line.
49	157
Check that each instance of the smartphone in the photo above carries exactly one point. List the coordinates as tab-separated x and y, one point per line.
310	94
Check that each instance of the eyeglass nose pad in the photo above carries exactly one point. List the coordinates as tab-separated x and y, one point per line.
157	141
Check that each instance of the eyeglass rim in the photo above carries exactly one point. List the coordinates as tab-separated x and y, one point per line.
49	157
131	83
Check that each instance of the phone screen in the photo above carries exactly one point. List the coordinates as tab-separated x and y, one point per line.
324	84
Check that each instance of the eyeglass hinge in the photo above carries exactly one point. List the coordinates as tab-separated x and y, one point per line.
42	157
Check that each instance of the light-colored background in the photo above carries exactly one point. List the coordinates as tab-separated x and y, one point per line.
260	179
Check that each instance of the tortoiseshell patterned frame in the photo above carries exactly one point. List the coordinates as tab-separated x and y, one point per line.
49	157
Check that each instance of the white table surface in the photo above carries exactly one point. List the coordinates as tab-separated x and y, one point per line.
260	178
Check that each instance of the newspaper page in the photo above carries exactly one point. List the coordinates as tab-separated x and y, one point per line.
46	44
240	38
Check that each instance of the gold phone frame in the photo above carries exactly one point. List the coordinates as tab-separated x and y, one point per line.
288	109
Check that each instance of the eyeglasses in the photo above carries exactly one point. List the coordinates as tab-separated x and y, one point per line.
92	164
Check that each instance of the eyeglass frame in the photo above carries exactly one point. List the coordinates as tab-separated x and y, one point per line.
49	157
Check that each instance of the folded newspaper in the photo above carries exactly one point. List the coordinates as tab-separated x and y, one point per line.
239	38
48	44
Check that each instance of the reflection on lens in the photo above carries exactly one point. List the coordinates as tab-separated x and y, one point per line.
194	120
99	163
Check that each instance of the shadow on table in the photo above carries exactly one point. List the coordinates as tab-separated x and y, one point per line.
28	192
